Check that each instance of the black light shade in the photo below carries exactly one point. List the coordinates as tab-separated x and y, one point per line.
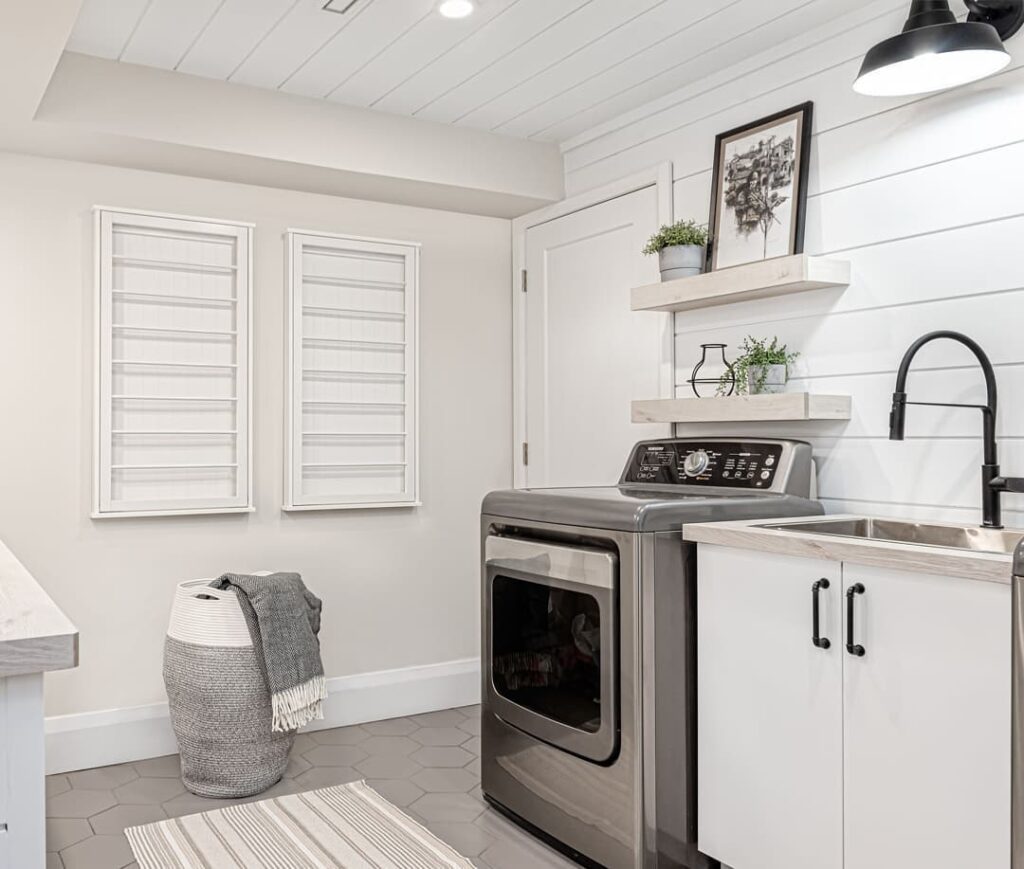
935	51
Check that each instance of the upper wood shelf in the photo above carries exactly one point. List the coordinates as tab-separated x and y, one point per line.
760	280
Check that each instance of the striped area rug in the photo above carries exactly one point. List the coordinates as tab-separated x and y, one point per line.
349	826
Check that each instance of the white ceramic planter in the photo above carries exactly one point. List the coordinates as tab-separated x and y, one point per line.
775	379
681	261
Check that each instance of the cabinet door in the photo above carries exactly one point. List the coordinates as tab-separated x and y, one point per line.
769	712
927	723
22	771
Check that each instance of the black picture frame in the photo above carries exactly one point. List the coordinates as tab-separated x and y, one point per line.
803	114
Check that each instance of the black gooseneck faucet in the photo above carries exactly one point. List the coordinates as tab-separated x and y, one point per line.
992	483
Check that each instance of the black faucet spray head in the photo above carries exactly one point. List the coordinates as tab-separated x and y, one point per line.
898	416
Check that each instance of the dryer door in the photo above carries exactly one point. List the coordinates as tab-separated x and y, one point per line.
552	642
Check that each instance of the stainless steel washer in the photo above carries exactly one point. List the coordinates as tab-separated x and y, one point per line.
589	644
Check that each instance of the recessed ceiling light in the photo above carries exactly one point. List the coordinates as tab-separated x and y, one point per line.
339	6
456	8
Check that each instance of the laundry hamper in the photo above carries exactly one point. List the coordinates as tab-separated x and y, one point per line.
220	705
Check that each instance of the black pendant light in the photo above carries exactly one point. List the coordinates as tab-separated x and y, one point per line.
935	51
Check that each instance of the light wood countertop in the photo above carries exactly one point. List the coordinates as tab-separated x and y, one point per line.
35	635
983	566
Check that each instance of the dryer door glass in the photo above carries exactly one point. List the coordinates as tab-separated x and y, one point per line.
551	639
546	651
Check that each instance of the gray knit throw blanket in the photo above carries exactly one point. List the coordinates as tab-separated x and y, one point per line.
283	617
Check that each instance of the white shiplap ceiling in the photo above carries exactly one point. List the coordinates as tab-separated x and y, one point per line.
545	69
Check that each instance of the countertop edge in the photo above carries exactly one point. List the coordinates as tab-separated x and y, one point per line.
35	634
980	566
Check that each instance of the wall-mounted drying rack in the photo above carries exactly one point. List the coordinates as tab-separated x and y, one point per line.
173	359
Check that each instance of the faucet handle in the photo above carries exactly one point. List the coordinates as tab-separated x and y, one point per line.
1008	484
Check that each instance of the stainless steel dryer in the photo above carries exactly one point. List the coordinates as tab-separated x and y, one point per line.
589	644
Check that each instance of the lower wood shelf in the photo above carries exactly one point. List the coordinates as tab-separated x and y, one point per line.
784	407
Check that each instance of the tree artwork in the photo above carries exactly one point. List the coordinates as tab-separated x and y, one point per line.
752	181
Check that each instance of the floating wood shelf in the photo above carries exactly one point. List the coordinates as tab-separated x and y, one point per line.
760	280
784	407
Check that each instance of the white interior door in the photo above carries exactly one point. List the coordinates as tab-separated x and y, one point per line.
587	354
927	730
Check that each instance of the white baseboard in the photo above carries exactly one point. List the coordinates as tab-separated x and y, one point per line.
92	739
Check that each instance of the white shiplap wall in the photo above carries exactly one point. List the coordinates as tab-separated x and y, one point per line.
925	196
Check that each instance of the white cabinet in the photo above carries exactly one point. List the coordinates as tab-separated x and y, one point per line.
927	723
22	770
812	758
35	637
770	715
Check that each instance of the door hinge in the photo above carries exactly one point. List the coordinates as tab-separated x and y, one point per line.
524	280
526	453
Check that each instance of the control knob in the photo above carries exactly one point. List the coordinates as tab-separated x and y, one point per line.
696	463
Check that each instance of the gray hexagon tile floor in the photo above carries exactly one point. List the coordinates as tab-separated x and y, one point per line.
428	765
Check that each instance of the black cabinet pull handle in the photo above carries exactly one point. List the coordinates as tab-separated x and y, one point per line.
816	638
851	646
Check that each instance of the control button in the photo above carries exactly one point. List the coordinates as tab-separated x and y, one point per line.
696	463
765	475
770	461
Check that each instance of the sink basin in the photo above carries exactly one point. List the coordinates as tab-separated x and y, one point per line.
915	533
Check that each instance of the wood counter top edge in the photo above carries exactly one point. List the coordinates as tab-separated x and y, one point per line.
983	566
35	634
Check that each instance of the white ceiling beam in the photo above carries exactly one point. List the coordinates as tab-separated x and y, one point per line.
33	34
101	110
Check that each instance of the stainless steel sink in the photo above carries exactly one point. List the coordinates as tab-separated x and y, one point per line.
894	531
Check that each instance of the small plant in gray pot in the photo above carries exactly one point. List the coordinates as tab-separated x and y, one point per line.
762	368
681	249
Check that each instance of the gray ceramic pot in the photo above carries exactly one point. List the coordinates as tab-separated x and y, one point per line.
775	379
681	261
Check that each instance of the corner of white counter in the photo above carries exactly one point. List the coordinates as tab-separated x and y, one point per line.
35	638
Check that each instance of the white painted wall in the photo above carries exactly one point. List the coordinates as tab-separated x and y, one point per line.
400	587
925	197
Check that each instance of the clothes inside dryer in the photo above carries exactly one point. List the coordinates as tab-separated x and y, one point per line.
547	651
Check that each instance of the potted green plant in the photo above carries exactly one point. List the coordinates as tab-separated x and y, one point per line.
762	368
681	249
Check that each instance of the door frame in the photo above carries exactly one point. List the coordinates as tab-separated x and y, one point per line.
659	177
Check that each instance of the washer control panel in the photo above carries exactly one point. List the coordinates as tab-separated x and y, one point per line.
735	464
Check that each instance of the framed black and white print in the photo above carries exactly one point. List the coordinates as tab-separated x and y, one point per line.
759	189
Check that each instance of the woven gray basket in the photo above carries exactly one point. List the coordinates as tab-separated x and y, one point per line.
220	705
